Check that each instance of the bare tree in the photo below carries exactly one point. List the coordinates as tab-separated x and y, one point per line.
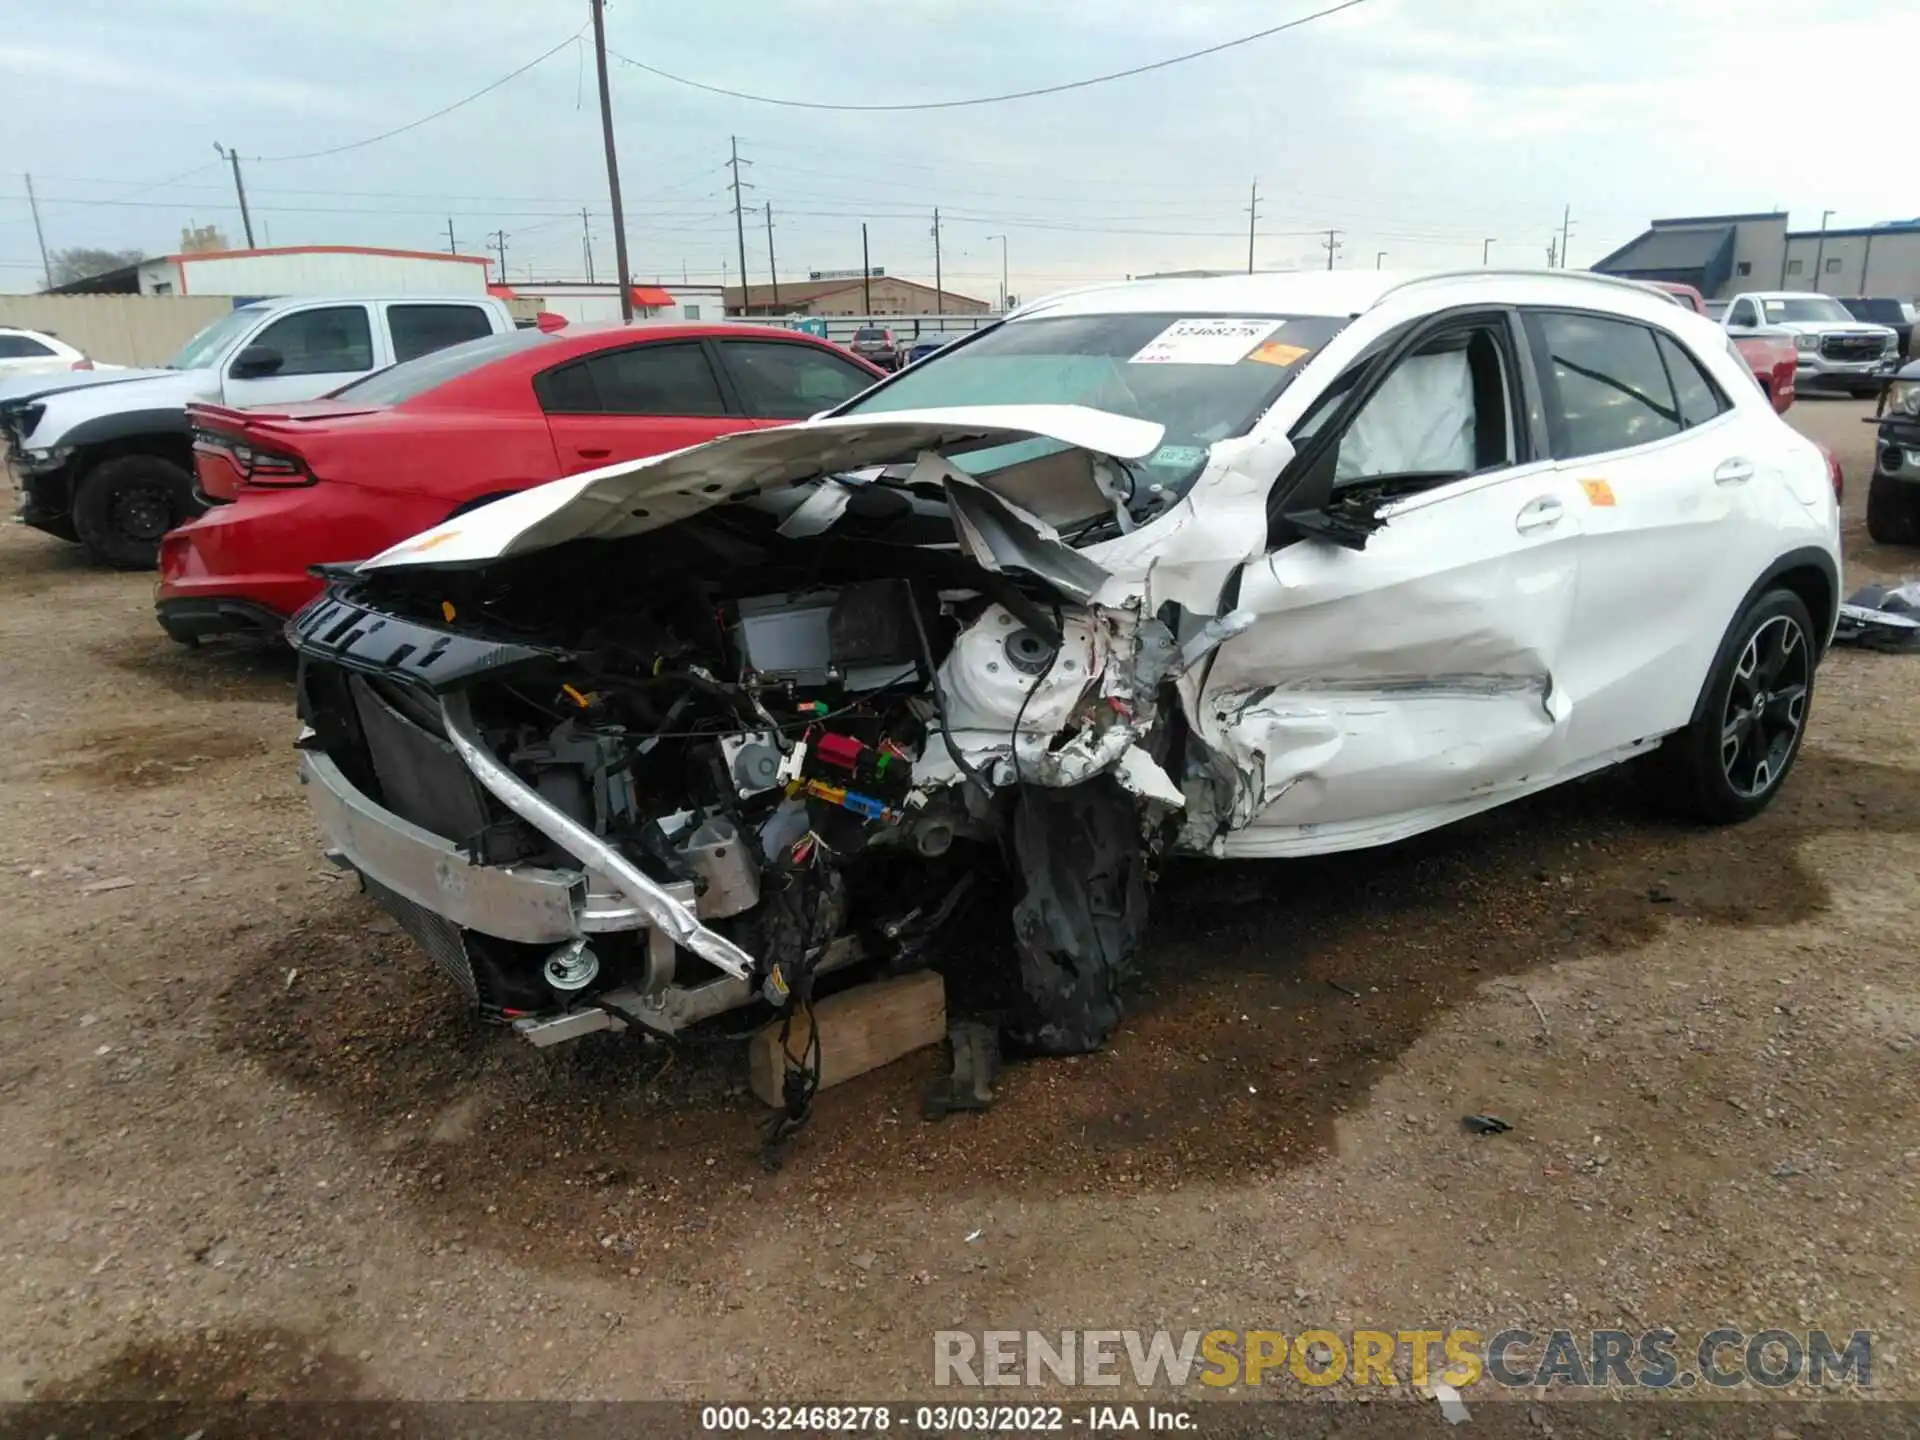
80	262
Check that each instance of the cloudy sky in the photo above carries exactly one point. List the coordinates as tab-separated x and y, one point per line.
1418	128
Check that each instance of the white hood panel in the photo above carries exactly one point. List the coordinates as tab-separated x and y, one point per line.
642	495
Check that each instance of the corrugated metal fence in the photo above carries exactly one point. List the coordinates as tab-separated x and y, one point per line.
117	329
906	328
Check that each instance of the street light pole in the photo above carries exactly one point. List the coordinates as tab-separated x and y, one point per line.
1486	248
1379	257
1003	270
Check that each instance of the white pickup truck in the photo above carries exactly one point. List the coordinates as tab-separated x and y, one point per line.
105	458
1832	350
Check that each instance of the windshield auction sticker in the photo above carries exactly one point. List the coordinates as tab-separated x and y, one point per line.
1205	342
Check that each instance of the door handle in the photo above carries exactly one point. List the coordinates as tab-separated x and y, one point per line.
1733	472
1540	514
592	453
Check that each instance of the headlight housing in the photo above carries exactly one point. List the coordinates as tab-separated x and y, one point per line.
1904	396
1806	342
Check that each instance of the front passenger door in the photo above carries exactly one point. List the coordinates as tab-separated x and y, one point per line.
319	350
1388	689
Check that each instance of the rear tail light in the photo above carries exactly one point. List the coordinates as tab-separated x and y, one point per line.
83	363
1833	473
268	469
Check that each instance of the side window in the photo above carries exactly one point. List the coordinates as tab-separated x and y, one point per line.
660	379
1699	398
421	329
1742	314
332	341
790	380
22	347
1793	267
567	390
1607	388
1440	414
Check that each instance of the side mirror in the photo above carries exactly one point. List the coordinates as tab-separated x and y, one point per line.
256	361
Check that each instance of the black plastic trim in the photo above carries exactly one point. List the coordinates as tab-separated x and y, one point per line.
354	637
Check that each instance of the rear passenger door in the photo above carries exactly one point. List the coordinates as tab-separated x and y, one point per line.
646	399
1664	467
421	327
785	380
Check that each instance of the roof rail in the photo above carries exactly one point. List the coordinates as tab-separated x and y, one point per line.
1618	282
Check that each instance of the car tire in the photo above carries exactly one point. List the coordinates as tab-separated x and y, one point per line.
122	506
1893	511
1731	761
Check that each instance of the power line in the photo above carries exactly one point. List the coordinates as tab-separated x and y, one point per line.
995	99
443	110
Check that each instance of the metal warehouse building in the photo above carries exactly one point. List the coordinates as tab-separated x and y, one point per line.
1722	255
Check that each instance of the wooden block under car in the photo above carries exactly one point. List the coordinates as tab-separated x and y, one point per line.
860	1030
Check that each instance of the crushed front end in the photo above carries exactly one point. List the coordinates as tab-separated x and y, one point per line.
647	780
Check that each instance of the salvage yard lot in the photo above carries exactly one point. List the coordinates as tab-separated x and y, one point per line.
250	1141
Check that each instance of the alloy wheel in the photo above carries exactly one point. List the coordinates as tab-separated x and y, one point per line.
1766	706
143	513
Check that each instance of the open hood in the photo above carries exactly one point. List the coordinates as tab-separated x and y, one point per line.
642	495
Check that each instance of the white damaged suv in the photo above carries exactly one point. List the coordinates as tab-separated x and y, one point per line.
1259	567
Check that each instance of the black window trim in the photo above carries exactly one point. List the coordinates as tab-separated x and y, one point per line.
729	397
717	345
1525	405
1543	362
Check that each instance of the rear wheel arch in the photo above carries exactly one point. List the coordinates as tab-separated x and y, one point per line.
1810	574
474	504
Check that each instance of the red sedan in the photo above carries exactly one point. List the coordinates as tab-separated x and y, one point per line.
343	478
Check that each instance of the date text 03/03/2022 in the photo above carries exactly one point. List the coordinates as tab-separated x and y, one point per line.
944	1419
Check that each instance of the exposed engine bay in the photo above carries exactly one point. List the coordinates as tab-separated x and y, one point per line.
820	753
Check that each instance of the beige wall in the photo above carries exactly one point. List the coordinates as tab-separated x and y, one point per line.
890	297
1883	264
117	329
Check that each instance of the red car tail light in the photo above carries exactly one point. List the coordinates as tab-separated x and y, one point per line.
83	363
265	468
1833	474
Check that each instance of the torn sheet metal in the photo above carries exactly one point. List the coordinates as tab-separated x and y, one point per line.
1881	617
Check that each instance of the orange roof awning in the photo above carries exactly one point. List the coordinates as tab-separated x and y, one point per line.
652	296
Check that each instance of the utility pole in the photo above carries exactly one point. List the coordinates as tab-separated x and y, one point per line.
613	165
773	271
1553	251
1253	214
1003	270
1566	228
240	189
46	270
1486	248
586	242
1820	248
866	272
1379	259
452	247
939	289
739	225
1331	245
499	241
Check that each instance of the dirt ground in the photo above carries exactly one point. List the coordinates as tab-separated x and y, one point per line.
251	1143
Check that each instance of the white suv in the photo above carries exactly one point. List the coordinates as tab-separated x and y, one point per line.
1264	566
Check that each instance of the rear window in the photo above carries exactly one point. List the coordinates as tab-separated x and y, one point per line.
869	333
22	347
1884	312
400	383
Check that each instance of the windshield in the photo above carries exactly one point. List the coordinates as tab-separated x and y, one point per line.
400	383
203	349
1205	378
1805	309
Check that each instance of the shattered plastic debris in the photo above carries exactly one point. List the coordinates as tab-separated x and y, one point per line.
1485	1124
1881	617
1452	1408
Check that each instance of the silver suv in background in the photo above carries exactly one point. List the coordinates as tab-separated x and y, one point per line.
875	343
1833	351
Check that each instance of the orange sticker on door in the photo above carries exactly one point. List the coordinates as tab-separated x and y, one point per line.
1599	492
